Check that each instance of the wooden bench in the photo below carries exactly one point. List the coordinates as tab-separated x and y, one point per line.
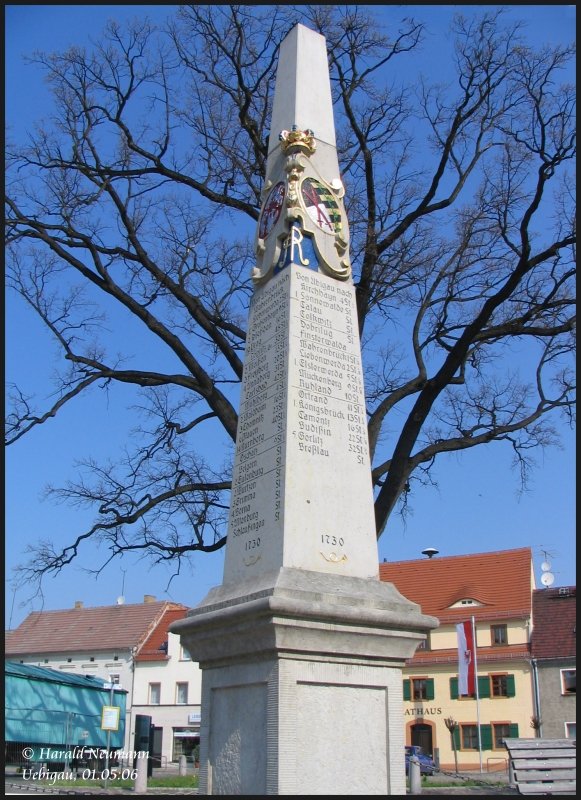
542	766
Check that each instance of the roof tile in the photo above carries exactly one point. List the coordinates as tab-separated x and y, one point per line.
502	581
118	627
151	648
554	622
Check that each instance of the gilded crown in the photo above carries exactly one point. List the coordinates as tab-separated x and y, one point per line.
293	140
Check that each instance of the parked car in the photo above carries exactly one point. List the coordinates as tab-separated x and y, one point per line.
427	765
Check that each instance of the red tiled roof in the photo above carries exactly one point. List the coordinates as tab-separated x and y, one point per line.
486	655
502	581
554	622
118	627
151	648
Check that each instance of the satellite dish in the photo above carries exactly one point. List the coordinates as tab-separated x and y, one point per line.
547	578
430	552
545	566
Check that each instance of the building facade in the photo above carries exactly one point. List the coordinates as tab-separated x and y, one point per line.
130	646
553	651
525	659
495	591
168	688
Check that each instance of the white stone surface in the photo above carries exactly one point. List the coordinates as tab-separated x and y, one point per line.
301	647
302	96
325	728
238	739
302	494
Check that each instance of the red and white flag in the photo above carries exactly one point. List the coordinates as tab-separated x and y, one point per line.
466	672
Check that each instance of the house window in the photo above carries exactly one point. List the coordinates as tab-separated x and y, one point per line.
154	694
425	644
499	685
569	681
499	634
469	737
184	654
571	730
500	731
114	679
419	688
181	694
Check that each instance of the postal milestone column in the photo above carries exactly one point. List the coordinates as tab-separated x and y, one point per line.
302	493
301	648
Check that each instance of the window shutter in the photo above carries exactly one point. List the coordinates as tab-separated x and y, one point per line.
430	694
510	687
513	730
406	689
454	688
486	737
483	686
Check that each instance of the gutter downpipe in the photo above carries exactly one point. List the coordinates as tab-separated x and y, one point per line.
537	697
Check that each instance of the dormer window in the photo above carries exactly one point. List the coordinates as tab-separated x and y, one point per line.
466	601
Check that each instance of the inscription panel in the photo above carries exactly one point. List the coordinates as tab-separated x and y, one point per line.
237	746
302	494
342	740
256	511
331	526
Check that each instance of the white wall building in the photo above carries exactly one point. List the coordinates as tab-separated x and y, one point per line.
129	645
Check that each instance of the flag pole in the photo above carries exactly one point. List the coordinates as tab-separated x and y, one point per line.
477	693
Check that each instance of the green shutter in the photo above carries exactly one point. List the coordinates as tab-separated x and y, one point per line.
510	688
430	694
513	730
454	688
456	736
406	689
483	686
486	737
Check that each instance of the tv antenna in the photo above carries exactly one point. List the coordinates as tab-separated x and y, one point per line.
547	577
121	598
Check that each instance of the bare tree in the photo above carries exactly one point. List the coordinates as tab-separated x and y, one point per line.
139	200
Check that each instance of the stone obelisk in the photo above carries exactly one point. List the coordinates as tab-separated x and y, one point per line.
301	647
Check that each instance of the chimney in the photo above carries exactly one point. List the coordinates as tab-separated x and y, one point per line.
149	598
78	603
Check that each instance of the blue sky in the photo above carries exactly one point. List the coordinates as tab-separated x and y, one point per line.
476	508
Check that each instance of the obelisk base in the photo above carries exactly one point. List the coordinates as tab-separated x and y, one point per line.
302	684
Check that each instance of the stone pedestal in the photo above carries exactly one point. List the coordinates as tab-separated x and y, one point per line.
301	684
